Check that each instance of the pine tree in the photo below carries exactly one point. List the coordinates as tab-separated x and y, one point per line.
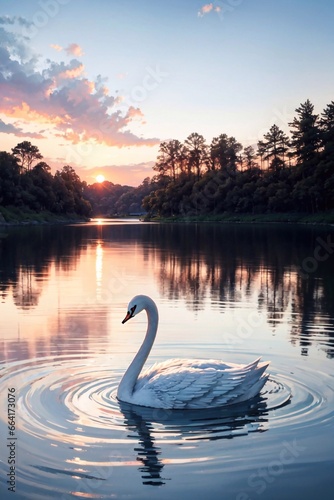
218	152
170	159
305	136
224	153
196	153
274	147
249	156
327	128
27	153
325	169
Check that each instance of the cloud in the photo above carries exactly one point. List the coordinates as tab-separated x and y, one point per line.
72	50
207	8
62	72
62	97
57	47
8	128
15	20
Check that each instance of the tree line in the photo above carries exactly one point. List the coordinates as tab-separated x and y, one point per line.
281	174
34	188
27	184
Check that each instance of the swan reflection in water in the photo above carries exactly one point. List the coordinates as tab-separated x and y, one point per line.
182	426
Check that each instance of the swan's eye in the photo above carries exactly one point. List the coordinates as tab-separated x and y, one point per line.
133	310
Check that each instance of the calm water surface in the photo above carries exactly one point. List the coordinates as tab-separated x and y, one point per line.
233	292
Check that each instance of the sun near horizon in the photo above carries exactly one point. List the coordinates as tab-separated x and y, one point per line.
100	178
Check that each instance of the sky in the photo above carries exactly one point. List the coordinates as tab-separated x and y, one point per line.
98	85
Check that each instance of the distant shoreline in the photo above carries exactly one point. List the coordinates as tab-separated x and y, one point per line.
16	217
289	218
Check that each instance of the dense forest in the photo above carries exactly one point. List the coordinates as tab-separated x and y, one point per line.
278	175
283	174
29	188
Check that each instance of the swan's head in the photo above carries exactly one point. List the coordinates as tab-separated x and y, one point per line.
136	305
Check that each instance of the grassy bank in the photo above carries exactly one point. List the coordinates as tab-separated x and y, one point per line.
320	218
16	216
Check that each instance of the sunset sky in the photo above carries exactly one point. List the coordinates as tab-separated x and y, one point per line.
98	85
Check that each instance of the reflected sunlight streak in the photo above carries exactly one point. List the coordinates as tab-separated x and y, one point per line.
99	269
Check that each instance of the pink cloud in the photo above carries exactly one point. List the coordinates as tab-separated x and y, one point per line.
205	9
74	107
57	47
74	50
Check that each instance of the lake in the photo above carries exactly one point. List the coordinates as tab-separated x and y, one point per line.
228	291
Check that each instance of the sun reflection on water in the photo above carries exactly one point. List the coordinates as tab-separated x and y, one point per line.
99	269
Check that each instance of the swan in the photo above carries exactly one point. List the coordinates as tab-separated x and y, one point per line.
184	383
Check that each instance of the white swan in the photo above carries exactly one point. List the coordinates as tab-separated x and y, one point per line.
185	383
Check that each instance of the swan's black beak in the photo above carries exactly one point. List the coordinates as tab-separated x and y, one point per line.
127	317
130	314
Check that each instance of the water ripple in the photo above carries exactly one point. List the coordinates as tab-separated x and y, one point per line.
71	425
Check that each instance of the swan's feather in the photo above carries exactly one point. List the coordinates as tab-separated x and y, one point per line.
184	383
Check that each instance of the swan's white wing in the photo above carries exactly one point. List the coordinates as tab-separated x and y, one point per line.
182	383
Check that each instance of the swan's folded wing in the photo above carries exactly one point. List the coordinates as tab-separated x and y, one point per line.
196	383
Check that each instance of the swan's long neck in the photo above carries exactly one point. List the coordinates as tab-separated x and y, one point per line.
128	382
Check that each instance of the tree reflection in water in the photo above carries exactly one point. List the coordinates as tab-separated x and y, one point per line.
221	263
232	263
